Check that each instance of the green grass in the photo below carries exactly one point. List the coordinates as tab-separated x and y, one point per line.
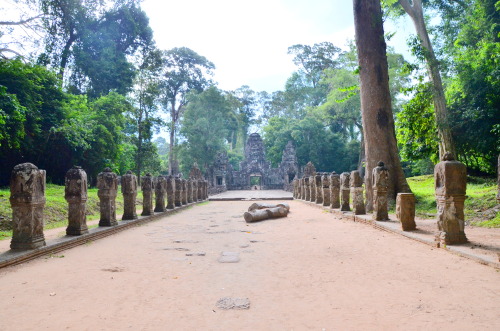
481	198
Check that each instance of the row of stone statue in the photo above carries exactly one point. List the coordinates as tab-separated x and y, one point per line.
27	199
450	186
337	191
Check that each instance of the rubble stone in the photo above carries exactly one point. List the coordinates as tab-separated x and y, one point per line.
75	193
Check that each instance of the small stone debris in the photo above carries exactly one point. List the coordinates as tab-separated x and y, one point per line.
179	249
196	254
229	257
185	241
233	303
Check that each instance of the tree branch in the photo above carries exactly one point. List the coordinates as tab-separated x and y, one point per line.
20	22
3	50
408	8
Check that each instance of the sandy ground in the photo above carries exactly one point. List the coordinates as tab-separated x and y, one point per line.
308	271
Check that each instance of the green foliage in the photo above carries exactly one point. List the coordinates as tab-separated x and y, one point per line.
12	118
205	127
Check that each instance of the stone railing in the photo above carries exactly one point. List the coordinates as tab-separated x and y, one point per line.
27	199
346	193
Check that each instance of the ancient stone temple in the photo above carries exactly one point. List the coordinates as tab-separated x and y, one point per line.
255	171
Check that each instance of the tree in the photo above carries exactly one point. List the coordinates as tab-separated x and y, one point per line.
416	13
205	127
184	71
376	108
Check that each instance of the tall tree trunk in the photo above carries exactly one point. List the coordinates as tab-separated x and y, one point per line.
446	143
171	152
376	110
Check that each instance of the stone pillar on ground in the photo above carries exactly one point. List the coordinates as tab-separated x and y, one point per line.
302	189
334	190
307	189
27	200
325	182
380	179
312	189
345	191
147	195
160	191
358	202
75	193
450	179
405	211
178	192
107	184
200	190
319	188
498	180
184	191
170	189
129	191
294	186
194	182
206	189
189	184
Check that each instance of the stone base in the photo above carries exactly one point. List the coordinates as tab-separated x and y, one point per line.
36	242
160	209
446	238
129	217
108	223
77	231
147	213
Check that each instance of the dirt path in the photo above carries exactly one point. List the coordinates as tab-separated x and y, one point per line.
309	271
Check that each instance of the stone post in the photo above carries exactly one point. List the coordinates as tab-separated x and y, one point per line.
345	191
170	191
184	192
294	188
27	200
200	190
189	190
358	202
75	193
160	190
405	211
312	189
450	180
107	184
325	183
195	189
147	185
302	188
129	191
380	179
206	190
319	188
178	192
334	190
498	180
307	189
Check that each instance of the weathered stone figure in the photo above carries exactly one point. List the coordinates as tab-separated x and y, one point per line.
319	188
75	193
307	189
170	189
380	178
302	188
129	191
358	203
160	190
498	194
325	182
206	190
309	169
184	191
200	190
405	211
295	188
147	184
107	184
189	190
312	188
334	190
450	179
178	192
345	191
27	199
194	182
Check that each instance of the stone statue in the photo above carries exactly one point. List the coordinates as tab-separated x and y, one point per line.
450	179
334	190
147	185
405	211
107	184
170	190
129	191
319	188
358	203
27	200
160	191
380	179
345	191
75	193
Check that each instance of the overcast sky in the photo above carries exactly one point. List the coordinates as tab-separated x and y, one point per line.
248	40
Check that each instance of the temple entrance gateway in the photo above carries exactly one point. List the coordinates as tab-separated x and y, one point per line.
256	181
255	172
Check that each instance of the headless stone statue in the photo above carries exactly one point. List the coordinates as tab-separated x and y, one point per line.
325	183
160	191
358	203
129	191
334	190
107	184
27	200
147	185
450	178
380	179
345	191
75	193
